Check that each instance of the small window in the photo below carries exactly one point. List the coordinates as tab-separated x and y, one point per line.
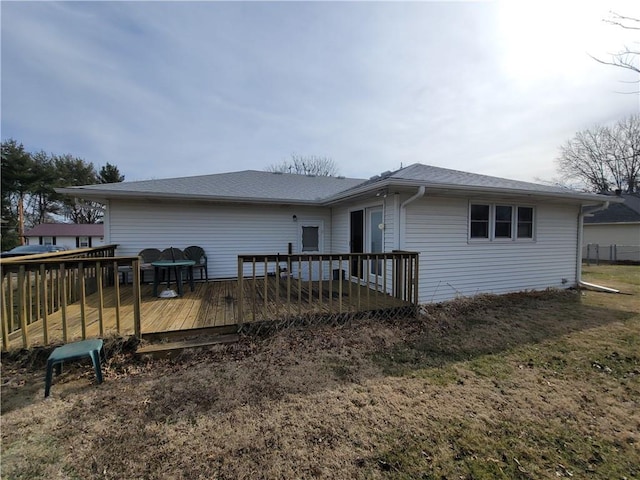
47	241
310	239
525	222
504	220
479	221
83	242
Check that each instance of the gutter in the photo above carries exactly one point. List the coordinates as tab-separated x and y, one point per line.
598	288
583	212
403	213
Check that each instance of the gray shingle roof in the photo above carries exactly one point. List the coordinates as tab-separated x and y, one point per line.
447	177
245	185
447	180
66	230
260	186
627	212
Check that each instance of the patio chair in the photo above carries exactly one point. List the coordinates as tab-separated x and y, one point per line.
172	254
197	254
148	255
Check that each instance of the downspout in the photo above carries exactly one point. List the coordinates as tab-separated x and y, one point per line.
402	216
581	215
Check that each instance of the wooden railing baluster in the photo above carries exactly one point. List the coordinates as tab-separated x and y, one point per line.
44	296
63	305
116	293
299	285
3	299
83	302
100	298
22	306
341	282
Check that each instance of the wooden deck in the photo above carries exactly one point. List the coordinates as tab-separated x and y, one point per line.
211	304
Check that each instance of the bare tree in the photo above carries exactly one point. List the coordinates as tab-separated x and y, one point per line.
627	58
604	158
306	165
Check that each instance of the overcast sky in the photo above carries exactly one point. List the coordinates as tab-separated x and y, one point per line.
168	89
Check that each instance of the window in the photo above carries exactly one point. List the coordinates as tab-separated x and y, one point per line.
504	219
47	241
310	239
500	222
525	222
479	221
83	242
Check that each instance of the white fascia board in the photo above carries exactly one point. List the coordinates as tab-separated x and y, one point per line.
104	195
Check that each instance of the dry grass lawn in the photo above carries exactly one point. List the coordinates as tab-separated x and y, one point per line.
526	386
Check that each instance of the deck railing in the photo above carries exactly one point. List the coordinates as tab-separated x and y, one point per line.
37	286
290	285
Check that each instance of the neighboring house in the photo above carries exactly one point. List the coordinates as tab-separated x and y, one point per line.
70	235
475	233
615	230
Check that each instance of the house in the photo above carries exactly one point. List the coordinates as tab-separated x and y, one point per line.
615	231
474	233
70	235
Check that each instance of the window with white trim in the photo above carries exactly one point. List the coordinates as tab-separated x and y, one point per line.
500	222
83	242
47	241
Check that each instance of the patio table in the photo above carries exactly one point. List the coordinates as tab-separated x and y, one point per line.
177	266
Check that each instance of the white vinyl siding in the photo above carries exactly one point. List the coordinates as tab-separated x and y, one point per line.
223	231
437	228
451	266
611	233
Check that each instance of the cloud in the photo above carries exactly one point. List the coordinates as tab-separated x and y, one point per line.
183	88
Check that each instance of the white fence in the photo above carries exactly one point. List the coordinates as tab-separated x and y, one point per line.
596	253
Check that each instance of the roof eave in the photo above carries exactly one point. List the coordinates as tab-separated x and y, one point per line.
104	195
579	197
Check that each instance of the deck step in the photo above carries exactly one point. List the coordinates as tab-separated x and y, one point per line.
166	349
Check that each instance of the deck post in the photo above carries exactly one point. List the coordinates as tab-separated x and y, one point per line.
116	293
11	317
416	279
137	320
239	293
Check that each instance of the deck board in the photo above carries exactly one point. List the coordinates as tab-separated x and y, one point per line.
211	304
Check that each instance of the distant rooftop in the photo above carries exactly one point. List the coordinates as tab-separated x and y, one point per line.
627	212
66	230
